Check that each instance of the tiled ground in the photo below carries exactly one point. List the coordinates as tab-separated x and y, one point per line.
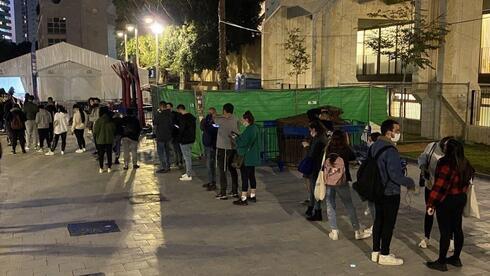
172	228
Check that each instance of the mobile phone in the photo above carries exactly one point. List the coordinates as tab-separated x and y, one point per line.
176	126
215	125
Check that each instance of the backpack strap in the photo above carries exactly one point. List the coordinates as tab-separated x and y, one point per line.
383	149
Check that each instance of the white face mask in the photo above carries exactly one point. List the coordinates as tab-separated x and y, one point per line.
396	138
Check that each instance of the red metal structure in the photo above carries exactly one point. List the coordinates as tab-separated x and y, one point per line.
128	72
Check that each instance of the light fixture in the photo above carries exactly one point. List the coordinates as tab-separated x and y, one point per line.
149	20
130	28
156	28
120	34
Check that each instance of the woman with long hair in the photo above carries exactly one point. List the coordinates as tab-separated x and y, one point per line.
248	147
338	150
448	199
104	130
60	123
78	127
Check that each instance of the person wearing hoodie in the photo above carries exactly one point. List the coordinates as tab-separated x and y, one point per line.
177	152
227	125
60	123
16	121
104	131
31	109
163	127
130	138
209	136
43	121
78	127
386	209
187	137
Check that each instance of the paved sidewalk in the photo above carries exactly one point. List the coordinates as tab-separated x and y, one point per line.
172	228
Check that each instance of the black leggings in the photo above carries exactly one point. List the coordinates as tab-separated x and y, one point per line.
450	219
248	175
56	139
19	135
44	137
105	149
429	220
80	138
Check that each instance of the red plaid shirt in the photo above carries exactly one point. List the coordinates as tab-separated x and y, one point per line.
446	183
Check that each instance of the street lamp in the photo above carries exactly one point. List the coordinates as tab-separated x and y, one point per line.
149	20
130	29
157	29
122	34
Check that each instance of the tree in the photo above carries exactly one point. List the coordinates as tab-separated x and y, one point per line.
298	58
10	50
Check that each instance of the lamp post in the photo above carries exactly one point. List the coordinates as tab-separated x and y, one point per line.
157	29
130	28
122	34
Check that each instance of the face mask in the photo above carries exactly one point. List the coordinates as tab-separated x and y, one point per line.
396	138
370	143
245	123
312	133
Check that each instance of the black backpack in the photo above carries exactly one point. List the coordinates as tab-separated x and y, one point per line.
369	184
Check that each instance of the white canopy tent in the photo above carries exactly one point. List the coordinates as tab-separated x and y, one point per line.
69	73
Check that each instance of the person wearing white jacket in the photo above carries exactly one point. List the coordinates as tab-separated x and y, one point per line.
60	123
78	127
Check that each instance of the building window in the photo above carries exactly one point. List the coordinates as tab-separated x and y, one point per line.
412	106
484	118
52	41
485	45
56	25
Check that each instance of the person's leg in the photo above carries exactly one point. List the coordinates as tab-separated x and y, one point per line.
372	210
428	220
390	210
55	142
444	214
213	165
331	208
35	134
133	147
63	141
222	171
378	224
168	153
244	174
207	153
41	137
13	141
29	128
100	151
457	225
161	154
125	143
253	181
233	172
82	136
51	133
312	180
346	197
108	149
79	140
187	155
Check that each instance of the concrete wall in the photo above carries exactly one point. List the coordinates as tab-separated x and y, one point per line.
479	135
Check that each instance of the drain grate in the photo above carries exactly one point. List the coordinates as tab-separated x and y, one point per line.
92	228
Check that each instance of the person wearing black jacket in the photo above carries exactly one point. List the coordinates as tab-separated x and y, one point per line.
16	120
209	137
187	137
176	117
163	126
130	138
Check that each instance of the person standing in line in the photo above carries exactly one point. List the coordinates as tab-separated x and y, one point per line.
78	127
187	137
163	125
94	109
227	125
248	146
130	138
177	152
209	136
51	108
427	162
386	209
117	119
315	152
31	109
338	147
60	123
16	121
104	131
448	199
44	120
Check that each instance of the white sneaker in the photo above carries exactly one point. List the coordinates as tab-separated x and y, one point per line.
334	235
389	260
27	148
101	170
79	151
374	256
185	177
369	230
424	243
40	150
49	153
109	170
84	150
361	235
62	153
451	246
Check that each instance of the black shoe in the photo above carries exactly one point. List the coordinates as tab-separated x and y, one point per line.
235	195
309	212
24	151
221	197
211	187
252	199
206	185
240	202
163	171
135	167
436	265
13	152
454	261
116	162
317	216
126	168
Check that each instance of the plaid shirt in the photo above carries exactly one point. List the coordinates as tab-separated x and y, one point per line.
446	183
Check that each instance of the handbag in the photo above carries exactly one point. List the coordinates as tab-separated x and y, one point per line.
471	208
320	186
238	160
306	166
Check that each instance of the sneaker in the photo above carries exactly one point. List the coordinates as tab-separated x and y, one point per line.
389	260
186	178
79	151
424	243
234	195
252	199
361	235
40	150
27	148
374	256
221	197
108	170
13	152
117	162
84	150
62	153
183	175
240	202
24	151
206	185
451	246
49	153
101	170
436	265
135	167
454	261
369	230
211	187
126	168
334	235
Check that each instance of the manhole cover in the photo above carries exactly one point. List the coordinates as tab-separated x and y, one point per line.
92	228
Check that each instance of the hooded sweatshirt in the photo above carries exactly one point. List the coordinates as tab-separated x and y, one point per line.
60	123
428	159
43	119
225	128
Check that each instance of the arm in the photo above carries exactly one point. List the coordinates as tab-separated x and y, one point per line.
351	154
422	160
37	119
439	190
394	169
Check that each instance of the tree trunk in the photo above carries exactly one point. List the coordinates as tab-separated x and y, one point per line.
223	73
402	104
297	83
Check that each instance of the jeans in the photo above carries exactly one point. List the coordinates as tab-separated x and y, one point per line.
248	175
163	149
51	133
80	138
56	139
44	137
130	146
105	149
31	133
225	158
177	160
117	146
450	219
372	209
210	154
187	155
345	196
18	135
316	205
386	212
